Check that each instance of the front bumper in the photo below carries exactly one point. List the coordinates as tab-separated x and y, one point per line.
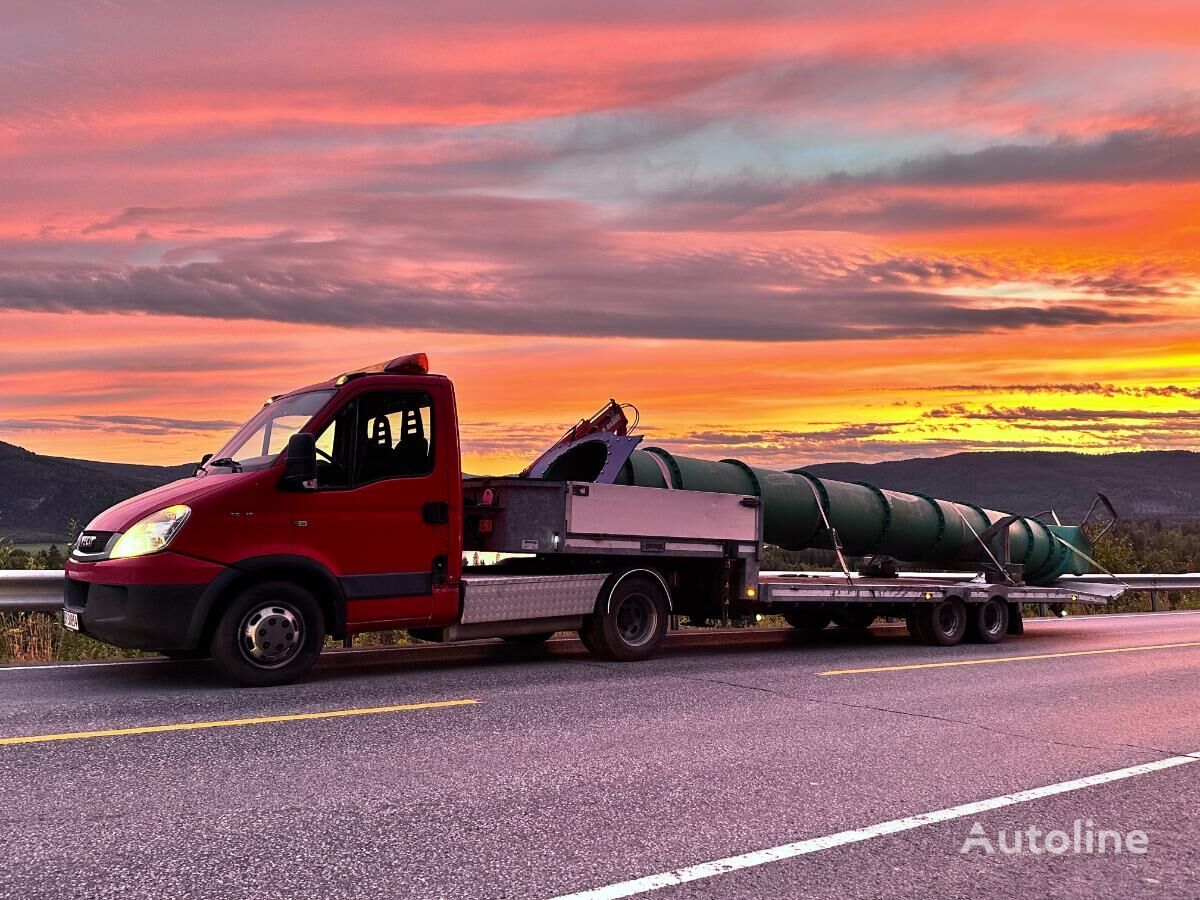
157	602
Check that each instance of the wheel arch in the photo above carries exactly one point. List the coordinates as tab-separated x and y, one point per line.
614	581
300	570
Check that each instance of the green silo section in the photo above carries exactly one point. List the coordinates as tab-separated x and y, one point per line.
867	519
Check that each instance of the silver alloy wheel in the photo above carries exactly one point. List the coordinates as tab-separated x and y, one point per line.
271	636
637	619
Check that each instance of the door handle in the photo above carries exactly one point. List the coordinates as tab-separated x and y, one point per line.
436	512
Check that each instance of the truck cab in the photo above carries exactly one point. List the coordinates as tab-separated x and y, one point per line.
335	509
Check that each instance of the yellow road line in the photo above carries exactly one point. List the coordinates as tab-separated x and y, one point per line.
226	723
1006	659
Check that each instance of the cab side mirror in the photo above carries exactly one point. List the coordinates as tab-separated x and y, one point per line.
301	463
204	459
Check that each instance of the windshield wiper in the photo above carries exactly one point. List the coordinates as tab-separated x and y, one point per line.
227	462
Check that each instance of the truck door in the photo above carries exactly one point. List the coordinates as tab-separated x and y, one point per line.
377	518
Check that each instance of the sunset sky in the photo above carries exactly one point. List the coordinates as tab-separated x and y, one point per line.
789	232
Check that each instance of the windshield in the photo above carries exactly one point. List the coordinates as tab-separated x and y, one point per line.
264	437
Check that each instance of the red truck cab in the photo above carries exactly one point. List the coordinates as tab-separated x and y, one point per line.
336	509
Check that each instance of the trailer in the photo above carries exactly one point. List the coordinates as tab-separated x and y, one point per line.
341	508
704	549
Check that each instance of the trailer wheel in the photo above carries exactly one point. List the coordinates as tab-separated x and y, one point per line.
913	621
807	619
856	619
271	633
987	622
630	620
943	623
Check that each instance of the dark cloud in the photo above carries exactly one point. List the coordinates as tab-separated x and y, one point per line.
1031	414
150	426
822	208
540	267
679	297
1091	388
1143	155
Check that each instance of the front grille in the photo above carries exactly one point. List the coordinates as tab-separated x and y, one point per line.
92	543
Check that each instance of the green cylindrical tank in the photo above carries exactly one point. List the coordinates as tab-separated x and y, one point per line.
867	519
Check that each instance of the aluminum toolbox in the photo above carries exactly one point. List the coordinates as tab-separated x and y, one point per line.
520	515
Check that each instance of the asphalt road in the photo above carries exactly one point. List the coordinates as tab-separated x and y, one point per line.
569	775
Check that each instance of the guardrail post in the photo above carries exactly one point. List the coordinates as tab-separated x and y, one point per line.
1154	601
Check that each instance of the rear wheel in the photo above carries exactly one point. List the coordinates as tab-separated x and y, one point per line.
987	622
855	618
943	623
807	619
271	633
630	622
912	620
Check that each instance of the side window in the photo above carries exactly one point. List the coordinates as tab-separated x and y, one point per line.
335	448
393	436
280	430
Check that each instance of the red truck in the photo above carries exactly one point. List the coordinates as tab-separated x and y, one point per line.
341	508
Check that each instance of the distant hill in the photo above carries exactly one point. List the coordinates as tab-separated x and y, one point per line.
1150	485
39	495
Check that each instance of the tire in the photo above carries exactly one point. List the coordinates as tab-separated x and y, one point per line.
913	621
813	620
586	640
271	633
855	618
987	622
630	620
944	623
528	640
185	655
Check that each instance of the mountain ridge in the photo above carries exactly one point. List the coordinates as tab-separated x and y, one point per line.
40	495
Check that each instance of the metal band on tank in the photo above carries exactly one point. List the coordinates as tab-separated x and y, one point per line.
749	474
822	495
941	516
887	510
1029	531
676	479
662	468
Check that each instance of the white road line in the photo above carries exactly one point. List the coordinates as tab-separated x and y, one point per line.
24	667
1033	620
20	667
855	835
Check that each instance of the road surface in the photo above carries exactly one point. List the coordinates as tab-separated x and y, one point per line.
544	775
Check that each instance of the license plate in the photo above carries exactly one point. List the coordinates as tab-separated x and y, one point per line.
71	620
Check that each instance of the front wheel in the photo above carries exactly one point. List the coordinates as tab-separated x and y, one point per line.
630	622
271	633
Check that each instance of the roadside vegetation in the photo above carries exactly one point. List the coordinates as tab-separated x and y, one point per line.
1132	546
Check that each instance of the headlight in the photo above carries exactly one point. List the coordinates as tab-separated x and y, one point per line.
151	534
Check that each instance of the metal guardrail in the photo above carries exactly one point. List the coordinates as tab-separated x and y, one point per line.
39	590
